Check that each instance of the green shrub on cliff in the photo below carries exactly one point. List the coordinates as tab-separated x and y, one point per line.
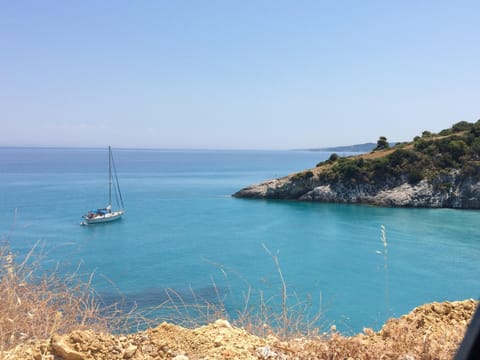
304	175
382	144
427	156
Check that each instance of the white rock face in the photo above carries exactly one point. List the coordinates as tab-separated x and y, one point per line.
448	190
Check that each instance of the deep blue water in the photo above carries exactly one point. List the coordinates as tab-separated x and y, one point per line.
184	231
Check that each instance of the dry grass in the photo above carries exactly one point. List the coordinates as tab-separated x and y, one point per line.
293	318
385	267
432	331
36	304
284	316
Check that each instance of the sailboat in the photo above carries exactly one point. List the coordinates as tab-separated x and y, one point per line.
106	214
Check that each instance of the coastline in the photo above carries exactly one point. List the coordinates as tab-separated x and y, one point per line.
432	171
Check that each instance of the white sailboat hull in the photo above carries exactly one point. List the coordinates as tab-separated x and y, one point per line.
111	216
106	214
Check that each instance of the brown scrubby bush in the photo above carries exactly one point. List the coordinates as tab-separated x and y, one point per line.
35	304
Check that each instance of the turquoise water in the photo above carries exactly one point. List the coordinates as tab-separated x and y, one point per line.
183	230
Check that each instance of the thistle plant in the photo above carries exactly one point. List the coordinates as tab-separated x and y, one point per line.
385	264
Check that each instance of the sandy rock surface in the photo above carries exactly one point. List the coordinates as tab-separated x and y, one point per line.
435	329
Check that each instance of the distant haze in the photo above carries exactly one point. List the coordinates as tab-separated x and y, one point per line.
234	74
367	147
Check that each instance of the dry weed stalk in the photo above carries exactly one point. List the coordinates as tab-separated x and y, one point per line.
36	304
259	315
265	319
385	267
35	307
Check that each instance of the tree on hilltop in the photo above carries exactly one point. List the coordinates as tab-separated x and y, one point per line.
382	143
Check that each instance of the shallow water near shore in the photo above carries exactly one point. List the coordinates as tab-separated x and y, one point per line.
182	230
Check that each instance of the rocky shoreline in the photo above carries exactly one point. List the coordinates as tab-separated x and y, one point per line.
433	171
450	190
431	331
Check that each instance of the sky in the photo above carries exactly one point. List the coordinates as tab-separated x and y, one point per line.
235	74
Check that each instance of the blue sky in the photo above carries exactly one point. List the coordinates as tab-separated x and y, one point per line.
234	74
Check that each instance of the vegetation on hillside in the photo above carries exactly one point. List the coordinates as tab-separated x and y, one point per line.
427	156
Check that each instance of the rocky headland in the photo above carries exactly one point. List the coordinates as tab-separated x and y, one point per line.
435	170
462	193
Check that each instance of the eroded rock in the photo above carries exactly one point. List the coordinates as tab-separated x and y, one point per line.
428	331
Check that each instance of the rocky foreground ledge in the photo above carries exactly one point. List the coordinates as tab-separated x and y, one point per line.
431	331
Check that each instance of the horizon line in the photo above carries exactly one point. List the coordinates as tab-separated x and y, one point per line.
60	147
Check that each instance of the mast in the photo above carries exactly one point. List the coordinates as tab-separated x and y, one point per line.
109	176
116	185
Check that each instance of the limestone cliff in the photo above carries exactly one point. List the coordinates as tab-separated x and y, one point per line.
438	171
447	191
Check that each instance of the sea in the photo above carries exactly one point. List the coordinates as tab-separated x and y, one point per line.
184	236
